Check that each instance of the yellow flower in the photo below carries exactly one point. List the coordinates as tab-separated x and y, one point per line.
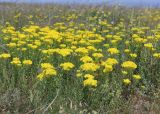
126	81
109	36
81	50
46	65
129	65
110	61
97	55
5	56
91	48
156	55
34	47
37	43
113	51
108	68
67	66
126	50
106	45
137	77
64	52
139	40
27	62
16	61
90	67
88	76
50	71
62	45
47	71
127	42
11	45
124	72
40	76
86	59
24	49
79	74
133	55
148	45
90	81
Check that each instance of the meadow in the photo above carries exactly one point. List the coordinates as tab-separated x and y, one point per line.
79	59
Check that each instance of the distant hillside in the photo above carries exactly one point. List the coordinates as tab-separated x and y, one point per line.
139	3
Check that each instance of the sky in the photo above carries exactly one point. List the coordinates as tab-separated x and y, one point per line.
121	2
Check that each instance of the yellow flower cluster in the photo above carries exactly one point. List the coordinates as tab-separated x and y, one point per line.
137	77
47	71
108	64
126	81
156	55
67	66
27	62
89	81
90	67
96	50
129	65
113	51
5	56
16	61
86	59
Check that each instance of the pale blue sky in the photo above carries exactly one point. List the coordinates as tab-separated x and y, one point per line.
122	2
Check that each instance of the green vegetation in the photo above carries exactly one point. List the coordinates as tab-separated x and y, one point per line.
79	59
